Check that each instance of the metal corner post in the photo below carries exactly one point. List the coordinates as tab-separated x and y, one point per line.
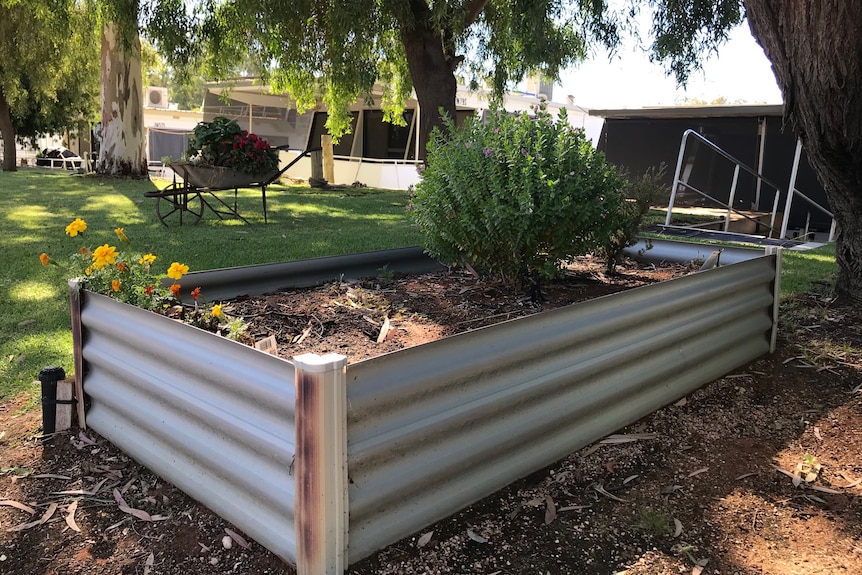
321	514
778	252
77	346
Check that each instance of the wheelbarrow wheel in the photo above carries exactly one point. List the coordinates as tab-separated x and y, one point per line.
183	207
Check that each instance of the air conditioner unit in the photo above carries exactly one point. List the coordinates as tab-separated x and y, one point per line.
157	97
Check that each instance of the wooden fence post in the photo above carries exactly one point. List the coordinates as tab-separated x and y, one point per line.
328	160
321	507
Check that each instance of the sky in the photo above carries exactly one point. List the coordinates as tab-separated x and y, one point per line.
740	71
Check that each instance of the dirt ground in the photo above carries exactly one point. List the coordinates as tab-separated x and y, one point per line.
757	473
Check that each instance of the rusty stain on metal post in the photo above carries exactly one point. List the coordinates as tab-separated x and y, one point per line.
321	464
77	347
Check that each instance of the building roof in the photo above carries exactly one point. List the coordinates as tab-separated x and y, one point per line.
678	112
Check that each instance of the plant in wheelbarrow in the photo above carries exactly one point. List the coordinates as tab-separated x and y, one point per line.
131	277
223	143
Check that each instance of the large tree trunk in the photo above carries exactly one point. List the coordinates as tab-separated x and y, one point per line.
122	132
433	76
10	153
815	47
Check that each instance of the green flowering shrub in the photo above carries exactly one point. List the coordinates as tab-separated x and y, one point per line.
516	195
640	193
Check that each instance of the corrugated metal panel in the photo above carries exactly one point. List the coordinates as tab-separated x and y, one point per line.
649	250
266	278
213	417
436	427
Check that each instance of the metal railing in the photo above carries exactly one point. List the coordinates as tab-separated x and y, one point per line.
681	182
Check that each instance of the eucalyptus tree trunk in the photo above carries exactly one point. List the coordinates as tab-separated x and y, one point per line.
815	47
7	129
122	133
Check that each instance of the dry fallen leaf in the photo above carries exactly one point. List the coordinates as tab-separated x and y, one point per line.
550	510
744	475
630	478
17	505
45	517
698	471
70	516
148	564
627	438
425	539
476	537
681	402
50	476
85	439
139	513
677	531
239	539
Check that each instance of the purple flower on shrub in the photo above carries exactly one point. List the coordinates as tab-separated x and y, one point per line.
468	145
487	152
523	151
496	130
409	207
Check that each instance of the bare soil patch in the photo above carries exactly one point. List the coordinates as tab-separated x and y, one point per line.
704	488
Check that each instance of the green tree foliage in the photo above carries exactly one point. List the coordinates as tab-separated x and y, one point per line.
516	195
48	69
337	51
186	87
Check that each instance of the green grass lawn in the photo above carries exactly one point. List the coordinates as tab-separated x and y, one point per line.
37	204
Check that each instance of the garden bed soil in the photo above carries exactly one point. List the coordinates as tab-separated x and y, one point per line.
701	486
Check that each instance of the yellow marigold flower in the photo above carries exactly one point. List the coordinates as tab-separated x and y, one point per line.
216	312
104	255
177	270
88	271
43	257
115	285
147	259
76	227
121	234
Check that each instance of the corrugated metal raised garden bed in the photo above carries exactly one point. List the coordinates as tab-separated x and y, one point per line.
324	463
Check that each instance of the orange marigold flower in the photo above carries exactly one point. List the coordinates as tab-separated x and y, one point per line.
196	293
115	285
122	266
84	251
149	290
175	289
43	257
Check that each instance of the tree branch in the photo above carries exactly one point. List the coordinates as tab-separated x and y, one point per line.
474	8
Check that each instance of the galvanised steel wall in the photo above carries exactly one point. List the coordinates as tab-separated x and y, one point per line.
213	417
434	428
